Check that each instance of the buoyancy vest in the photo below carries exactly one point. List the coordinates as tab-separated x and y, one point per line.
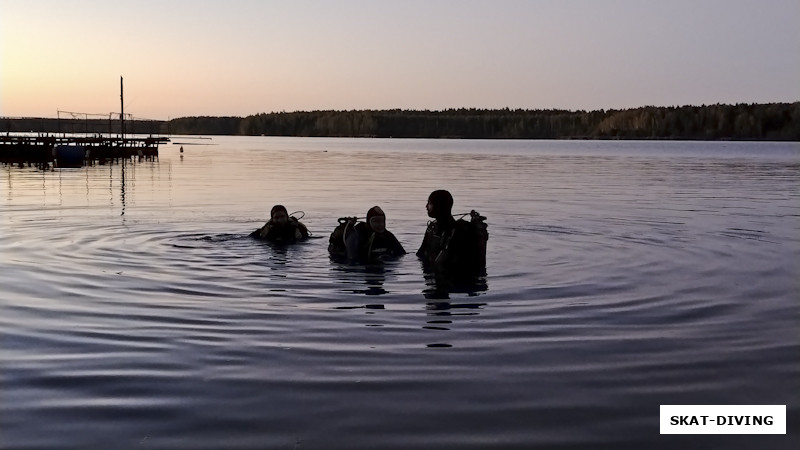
373	246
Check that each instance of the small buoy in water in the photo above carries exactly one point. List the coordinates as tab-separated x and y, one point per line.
181	149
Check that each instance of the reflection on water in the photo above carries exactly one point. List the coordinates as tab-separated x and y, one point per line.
374	279
136	311
367	279
441	285
121	188
62	183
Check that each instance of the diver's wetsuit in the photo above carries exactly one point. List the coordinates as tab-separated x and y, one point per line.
374	246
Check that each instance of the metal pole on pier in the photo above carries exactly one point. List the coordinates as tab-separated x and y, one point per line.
121	110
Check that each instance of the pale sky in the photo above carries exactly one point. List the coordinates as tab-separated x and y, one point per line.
242	57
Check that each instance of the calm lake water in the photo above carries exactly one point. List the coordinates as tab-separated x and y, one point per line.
136	313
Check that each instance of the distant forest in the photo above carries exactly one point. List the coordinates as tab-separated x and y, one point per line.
774	121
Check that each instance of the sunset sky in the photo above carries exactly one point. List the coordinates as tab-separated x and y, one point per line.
240	57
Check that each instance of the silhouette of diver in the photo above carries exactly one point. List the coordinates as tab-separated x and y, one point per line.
365	242
453	246
281	228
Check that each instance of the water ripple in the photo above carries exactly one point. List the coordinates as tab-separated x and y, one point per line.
620	276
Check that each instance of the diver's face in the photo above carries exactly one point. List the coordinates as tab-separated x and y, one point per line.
377	223
280	218
431	209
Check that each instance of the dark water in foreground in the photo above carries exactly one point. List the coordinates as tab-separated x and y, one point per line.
136	313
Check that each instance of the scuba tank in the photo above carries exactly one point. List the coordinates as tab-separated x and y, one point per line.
480	235
337	243
462	247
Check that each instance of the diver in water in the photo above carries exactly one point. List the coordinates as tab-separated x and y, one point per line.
281	228
368	241
450	245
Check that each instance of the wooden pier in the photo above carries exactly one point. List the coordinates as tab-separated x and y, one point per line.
40	149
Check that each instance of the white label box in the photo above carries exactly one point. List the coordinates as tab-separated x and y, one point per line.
723	419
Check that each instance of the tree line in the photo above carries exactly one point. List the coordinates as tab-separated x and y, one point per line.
772	121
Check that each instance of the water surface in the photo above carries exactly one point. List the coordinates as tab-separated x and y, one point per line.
136	312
